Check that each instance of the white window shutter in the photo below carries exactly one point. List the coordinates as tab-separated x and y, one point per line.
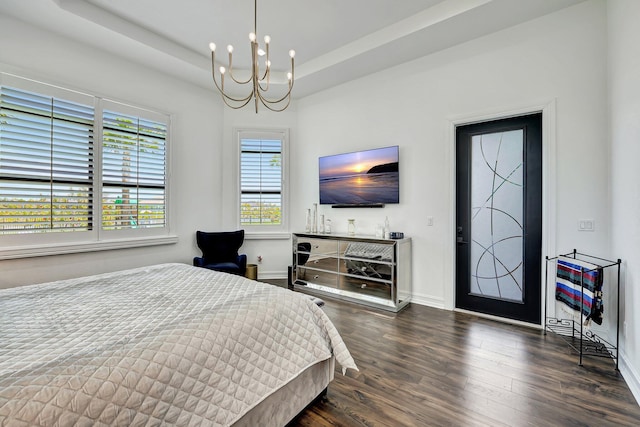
261	199
46	163
133	172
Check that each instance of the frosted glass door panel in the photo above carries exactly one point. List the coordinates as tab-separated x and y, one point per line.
497	215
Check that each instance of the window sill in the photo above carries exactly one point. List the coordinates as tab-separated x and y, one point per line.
77	247
272	235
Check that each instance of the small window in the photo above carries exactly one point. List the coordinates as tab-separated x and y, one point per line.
262	180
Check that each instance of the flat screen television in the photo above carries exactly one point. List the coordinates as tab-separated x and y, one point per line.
361	178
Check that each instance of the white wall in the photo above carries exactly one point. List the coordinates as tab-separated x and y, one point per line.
558	57
195	144
624	98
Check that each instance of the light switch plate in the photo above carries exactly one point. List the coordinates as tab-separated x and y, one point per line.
586	225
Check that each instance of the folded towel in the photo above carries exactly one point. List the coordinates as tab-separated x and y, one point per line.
579	282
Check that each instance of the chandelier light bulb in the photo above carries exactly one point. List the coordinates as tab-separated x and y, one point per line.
292	53
261	52
268	64
212	46
230	48
289	76
267	39
252	37
222	70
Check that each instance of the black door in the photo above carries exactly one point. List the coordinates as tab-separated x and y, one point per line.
499	217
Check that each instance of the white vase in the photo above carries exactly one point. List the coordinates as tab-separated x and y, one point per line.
386	227
351	227
307	224
314	220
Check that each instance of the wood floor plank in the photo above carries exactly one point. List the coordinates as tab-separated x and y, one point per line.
430	367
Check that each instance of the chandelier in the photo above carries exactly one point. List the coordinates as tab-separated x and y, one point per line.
258	81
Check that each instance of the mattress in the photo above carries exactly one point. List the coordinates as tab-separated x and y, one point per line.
163	345
283	405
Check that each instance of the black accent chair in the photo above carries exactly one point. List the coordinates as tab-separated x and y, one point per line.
302	257
220	251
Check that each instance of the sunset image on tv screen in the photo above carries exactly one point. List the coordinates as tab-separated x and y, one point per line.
360	178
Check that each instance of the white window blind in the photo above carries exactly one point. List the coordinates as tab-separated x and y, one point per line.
46	163
133	172
261	183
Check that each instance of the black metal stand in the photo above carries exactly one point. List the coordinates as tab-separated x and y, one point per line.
581	340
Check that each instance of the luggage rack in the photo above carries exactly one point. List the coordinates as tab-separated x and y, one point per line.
582	340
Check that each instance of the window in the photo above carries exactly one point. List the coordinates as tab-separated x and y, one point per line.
46	163
75	165
133	172
262	180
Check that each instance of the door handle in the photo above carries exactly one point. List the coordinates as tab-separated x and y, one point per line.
459	238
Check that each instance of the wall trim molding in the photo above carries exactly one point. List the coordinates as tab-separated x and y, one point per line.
630	375
268	275
277	235
428	301
78	247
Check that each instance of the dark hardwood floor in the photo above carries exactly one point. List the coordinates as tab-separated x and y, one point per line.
430	367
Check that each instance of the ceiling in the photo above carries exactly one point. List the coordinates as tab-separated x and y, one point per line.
335	40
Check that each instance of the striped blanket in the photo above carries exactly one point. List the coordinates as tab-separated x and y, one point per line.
579	283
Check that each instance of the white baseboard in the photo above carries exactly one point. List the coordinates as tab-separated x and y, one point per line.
630	376
268	275
427	300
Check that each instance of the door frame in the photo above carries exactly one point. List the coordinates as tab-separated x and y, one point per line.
549	175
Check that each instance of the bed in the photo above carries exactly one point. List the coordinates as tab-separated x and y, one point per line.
169	344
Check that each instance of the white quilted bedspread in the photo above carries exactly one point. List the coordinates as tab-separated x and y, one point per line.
164	345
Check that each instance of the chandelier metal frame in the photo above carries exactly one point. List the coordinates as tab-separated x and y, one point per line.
259	84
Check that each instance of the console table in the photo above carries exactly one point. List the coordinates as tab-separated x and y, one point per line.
367	270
